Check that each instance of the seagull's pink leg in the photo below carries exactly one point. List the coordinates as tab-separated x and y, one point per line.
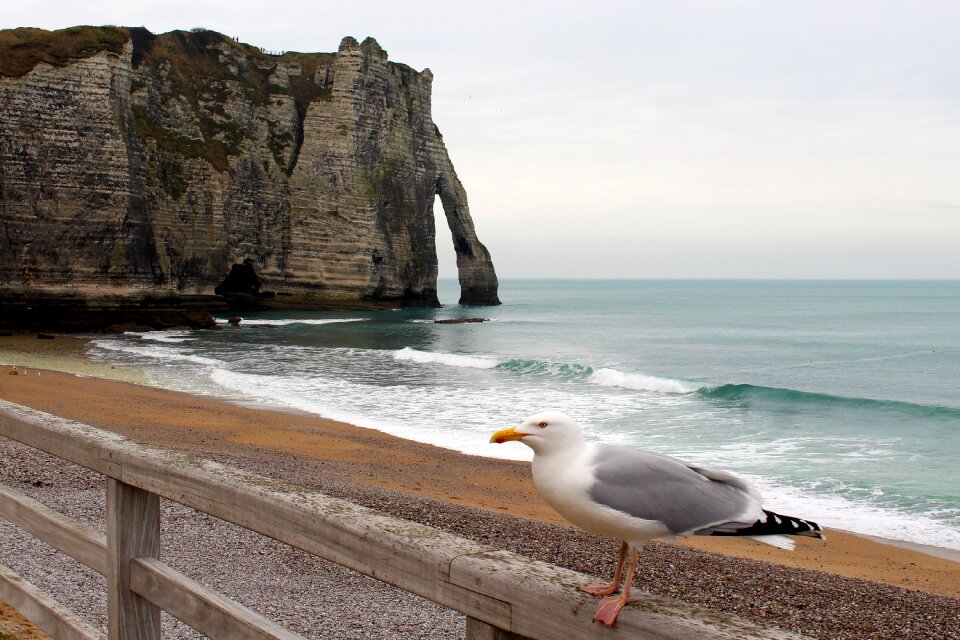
609	608
614	586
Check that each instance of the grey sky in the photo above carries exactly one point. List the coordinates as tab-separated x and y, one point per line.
668	139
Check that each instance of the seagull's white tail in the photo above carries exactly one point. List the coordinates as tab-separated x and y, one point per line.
778	541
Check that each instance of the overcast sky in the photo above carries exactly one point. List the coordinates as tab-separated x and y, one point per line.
697	139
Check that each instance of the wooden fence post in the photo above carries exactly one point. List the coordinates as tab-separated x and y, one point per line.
477	630
133	531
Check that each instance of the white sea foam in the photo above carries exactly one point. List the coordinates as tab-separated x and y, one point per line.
640	382
286	321
443	416
154	352
434	321
162	336
449	359
284	391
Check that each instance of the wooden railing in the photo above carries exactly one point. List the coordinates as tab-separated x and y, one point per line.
503	595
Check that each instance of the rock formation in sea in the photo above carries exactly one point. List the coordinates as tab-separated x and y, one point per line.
137	167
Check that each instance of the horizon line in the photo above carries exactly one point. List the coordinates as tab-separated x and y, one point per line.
719	279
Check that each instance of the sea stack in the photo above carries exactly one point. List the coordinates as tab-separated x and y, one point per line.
136	170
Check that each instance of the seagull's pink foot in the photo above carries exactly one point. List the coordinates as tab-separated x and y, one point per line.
601	589
609	609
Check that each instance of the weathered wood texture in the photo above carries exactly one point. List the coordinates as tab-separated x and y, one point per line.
133	531
545	603
203	609
501	589
76	540
43	611
477	630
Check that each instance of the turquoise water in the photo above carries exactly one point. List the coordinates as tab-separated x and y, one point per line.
839	399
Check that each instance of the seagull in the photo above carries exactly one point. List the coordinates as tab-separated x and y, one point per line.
636	495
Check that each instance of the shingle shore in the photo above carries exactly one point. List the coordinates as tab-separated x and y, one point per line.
322	600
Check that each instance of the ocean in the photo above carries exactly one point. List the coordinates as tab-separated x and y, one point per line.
839	399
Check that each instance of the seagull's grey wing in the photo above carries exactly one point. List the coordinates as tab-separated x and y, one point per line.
653	486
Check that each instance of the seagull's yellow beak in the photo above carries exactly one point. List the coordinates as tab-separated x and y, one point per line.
505	435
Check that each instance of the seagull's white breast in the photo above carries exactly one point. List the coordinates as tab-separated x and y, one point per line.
564	480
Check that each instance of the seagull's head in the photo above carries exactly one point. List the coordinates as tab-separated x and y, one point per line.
544	432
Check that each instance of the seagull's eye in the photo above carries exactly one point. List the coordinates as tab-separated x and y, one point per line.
542	425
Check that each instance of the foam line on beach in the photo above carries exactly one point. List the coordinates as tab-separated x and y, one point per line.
171	336
282	322
155	352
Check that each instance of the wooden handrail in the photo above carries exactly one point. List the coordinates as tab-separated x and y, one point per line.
42	610
503	594
74	539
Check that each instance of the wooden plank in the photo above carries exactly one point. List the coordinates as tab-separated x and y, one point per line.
78	541
74	441
477	630
43	611
546	603
406	554
203	609
133	531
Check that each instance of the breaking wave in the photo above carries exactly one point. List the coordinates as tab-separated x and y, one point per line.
449	359
729	393
542	368
749	393
640	382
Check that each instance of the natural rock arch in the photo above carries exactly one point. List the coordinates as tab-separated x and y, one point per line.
478	280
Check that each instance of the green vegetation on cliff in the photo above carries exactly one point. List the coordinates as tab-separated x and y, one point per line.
21	49
207	69
190	65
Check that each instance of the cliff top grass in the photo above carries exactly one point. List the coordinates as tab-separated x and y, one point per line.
21	49
195	59
205	67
